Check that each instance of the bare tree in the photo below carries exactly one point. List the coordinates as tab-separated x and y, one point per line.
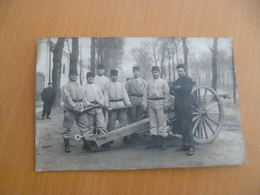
74	54
56	71
143	58
214	52
110	52
93	54
185	52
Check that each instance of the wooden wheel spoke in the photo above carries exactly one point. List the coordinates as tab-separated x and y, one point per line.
204	96
195	127
213	113
209	126
199	98
209	100
192	95
205	130
200	130
195	118
212	120
195	108
211	106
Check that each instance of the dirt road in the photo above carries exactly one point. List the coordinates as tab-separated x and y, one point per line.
226	149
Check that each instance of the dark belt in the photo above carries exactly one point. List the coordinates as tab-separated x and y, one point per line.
116	100
77	100
94	102
136	95
156	98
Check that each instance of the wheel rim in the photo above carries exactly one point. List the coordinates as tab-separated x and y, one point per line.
207	110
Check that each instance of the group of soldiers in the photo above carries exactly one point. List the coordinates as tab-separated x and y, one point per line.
88	105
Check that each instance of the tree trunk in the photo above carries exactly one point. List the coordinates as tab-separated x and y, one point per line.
185	53
234	78
56	71
74	54
214	64
162	61
93	54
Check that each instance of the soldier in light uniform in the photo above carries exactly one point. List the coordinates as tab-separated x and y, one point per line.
101	81
135	88
116	96
95	96
74	101
156	98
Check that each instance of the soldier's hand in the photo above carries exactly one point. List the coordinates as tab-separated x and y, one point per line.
165	109
92	105
77	111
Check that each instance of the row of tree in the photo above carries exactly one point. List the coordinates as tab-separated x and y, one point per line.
166	53
107	51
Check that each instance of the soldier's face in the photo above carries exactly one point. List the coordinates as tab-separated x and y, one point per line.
114	78
181	72
100	71
50	85
90	80
73	77
136	73
155	74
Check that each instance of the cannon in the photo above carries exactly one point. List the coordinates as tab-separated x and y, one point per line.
207	110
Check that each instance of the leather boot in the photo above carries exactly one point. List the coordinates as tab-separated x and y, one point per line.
162	143
153	143
85	145
67	145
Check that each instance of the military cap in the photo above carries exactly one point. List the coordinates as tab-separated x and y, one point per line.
181	66
114	72
101	66
155	68
50	83
136	68
73	72
90	74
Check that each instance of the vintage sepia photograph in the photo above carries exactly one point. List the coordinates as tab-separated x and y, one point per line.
126	103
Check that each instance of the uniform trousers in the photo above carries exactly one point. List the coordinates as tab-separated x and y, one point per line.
157	116
135	114
120	115
183	114
96	116
47	105
81	120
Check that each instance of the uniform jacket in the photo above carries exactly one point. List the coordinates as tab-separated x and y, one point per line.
48	94
182	93
156	88
135	87
73	96
116	91
101	81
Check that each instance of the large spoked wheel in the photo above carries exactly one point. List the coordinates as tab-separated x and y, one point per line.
207	110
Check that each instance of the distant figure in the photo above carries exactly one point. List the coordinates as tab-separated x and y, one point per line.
48	97
182	107
156	98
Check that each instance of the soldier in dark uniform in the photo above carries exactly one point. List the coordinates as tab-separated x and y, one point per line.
48	97
182	106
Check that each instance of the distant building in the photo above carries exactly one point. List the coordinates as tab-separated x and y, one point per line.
44	67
